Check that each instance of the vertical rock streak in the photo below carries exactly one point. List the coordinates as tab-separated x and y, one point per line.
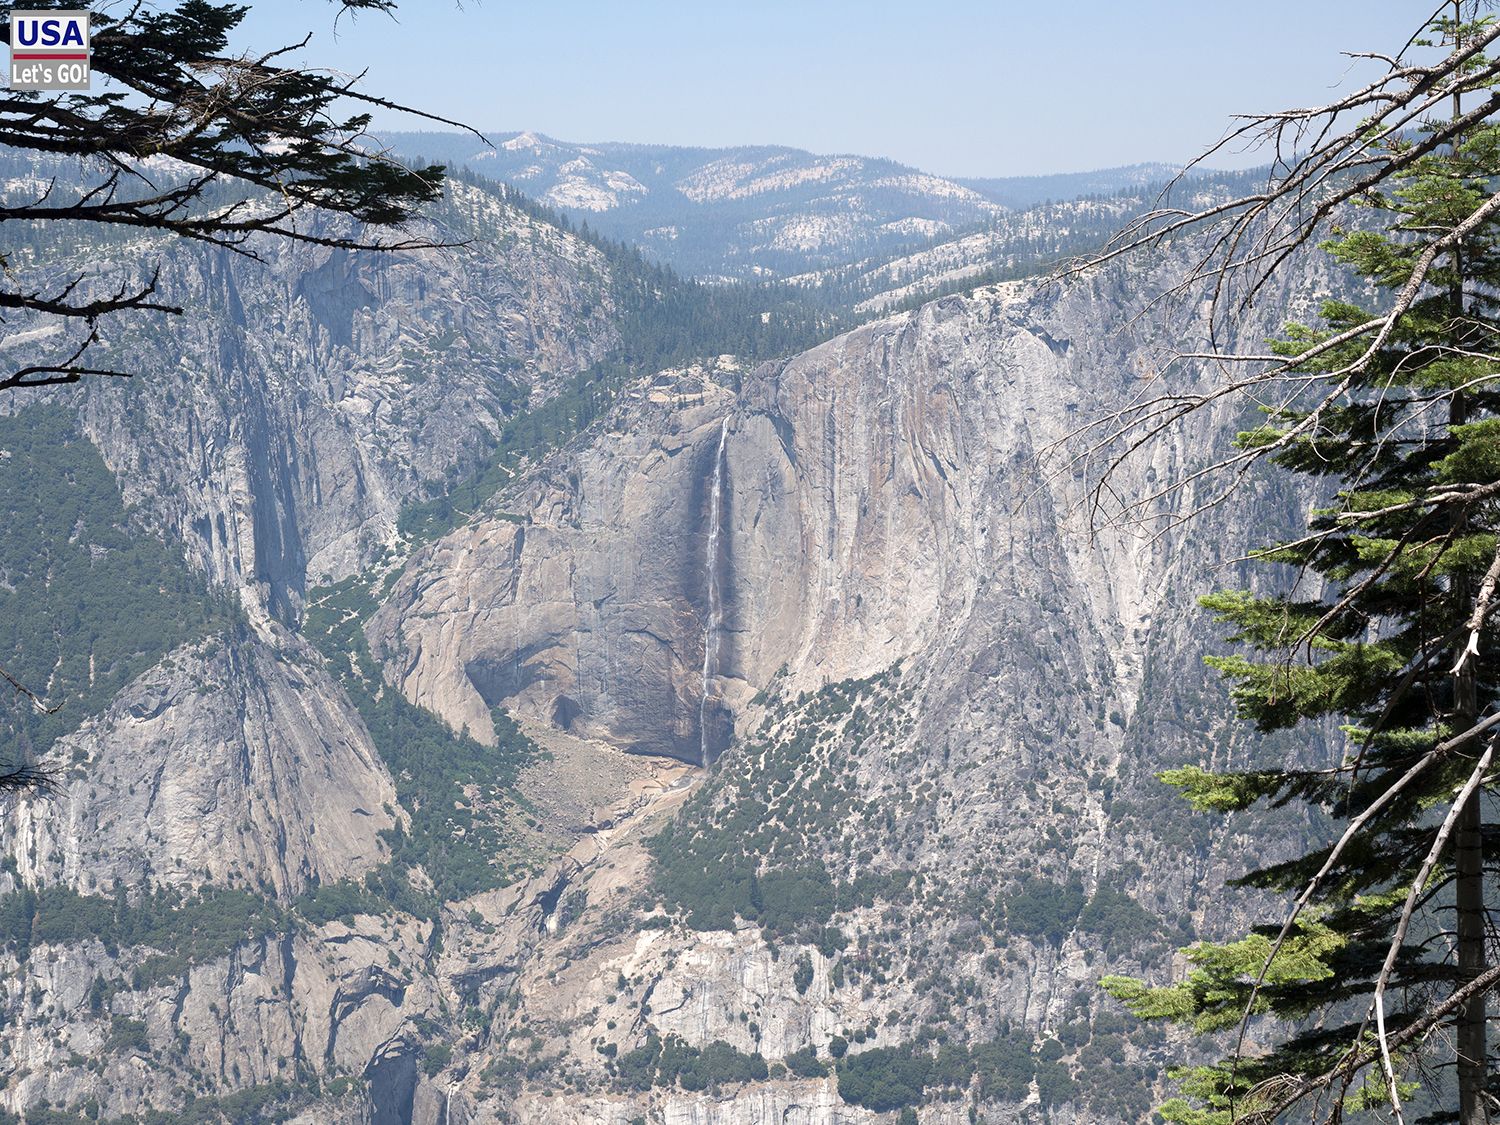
715	597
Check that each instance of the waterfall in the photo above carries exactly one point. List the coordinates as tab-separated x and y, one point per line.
715	596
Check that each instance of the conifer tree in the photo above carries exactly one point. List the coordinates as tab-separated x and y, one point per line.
1375	985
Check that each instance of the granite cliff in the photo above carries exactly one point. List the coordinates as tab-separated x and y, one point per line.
840	718
929	682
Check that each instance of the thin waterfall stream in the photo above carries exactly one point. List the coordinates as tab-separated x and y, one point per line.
715	596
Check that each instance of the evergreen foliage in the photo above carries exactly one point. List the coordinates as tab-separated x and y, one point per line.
175	931
672	1062
345	900
889	1078
266	1104
89	599
1121	921
1378	978
1043	909
804	1063
666	319
185	931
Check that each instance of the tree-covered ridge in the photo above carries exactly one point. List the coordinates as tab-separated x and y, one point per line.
89	599
1035	242
741	212
664	318
268	1104
1044	221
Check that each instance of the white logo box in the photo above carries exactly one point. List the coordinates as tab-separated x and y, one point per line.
49	50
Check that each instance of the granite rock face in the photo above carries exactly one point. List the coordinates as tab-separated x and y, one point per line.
899	507
339	998
882	497
274	432
588	605
277	427
233	762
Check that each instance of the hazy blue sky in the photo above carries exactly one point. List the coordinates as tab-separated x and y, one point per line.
959	87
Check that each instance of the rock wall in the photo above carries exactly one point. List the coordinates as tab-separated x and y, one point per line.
882	498
232	762
278	426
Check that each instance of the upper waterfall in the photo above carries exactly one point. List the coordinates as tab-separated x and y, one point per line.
715	594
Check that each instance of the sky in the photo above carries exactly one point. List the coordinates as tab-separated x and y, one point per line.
955	87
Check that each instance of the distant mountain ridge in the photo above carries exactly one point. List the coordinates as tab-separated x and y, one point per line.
761	212
1057	187
745	212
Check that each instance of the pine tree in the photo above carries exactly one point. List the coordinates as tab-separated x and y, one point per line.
1378	979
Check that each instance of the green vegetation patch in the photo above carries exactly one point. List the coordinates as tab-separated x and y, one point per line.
89	599
459	794
1042	909
188	931
1122	922
759	840
1048	911
890	1078
671	1062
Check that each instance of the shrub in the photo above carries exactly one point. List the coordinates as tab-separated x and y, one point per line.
884	1078
436	1057
1043	909
802	974
805	1063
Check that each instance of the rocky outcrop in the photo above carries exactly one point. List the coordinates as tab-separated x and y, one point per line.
588	606
277	428
340	1000
881	498
233	762
786	1103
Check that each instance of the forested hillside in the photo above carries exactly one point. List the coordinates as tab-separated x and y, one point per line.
89	597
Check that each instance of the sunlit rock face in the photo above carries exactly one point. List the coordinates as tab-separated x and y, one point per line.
880	498
677	584
231	763
277	427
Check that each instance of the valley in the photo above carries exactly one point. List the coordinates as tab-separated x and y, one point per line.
618	698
